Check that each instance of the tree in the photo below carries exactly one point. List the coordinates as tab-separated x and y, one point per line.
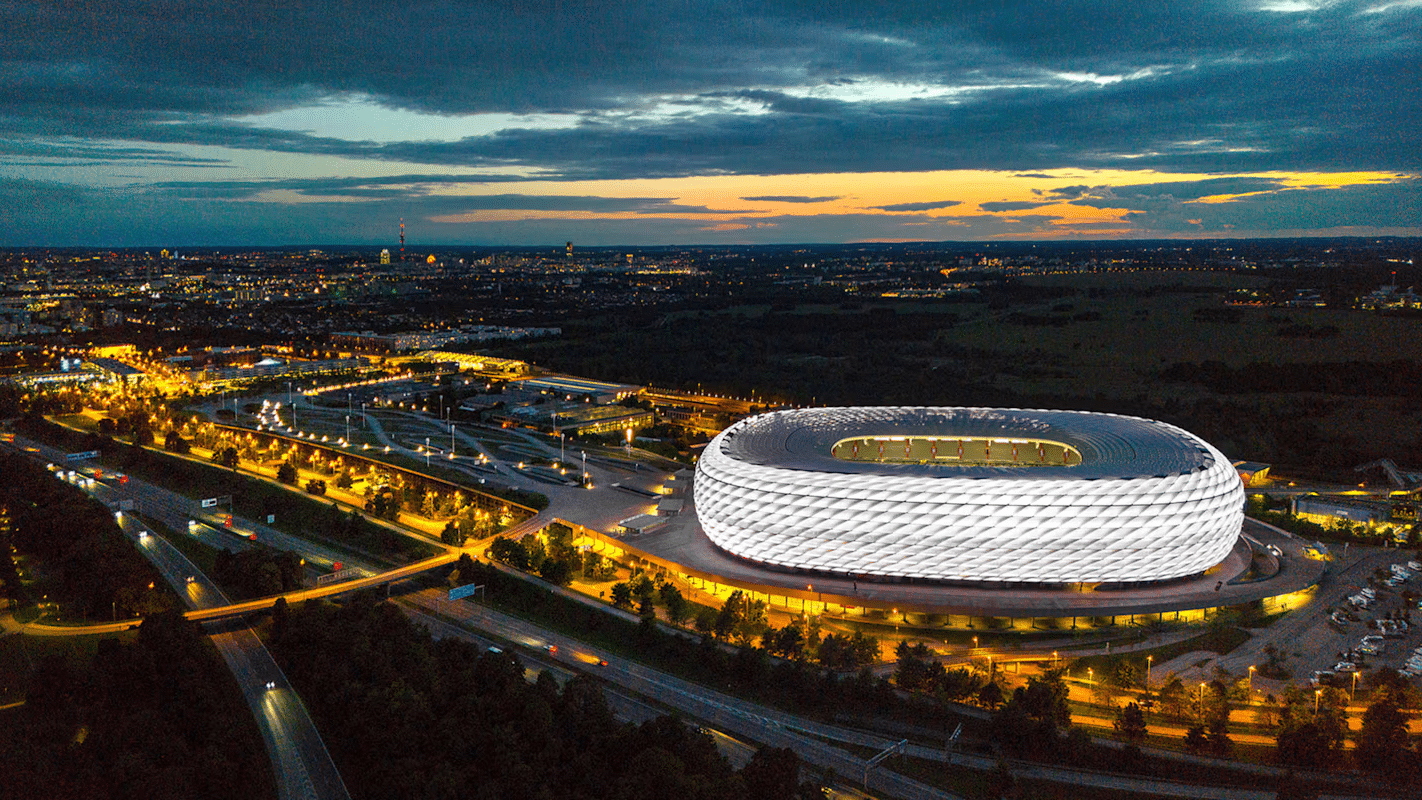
990	696
1000	782
705	621
509	551
556	571
1172	696
677	607
1195	739
621	594
773	772
316	486
1383	735
1130	724
286	473
175	443
1045	700
227	457
451	535
732	614
384	503
1219	743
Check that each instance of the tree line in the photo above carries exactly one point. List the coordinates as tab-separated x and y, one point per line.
157	717
82	558
406	716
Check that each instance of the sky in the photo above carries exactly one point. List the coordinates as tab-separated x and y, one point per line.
129	123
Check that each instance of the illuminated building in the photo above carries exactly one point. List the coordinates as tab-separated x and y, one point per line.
969	495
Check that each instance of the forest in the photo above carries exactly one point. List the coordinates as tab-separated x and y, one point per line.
408	716
73	551
158	717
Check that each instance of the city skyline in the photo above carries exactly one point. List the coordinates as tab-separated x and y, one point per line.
156	125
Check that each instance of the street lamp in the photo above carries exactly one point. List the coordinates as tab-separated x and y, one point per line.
1316	694
1202	699
1148	660
427	452
1251	683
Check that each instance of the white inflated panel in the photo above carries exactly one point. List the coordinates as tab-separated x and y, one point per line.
1029	525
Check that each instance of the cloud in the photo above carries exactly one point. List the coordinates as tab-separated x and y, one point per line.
1012	205
576	90
925	206
790	198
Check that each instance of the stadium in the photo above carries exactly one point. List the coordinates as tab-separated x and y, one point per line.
969	496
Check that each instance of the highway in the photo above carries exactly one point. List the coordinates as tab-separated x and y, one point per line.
300	761
778	728
731	715
302	767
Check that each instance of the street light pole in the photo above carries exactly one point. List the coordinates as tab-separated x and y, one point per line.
427	452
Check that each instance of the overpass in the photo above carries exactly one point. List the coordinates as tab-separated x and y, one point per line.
301	595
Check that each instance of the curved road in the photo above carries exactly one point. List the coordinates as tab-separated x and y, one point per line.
302	766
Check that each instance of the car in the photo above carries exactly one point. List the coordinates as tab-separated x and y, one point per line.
1372	637
271	684
496	650
191	578
1322	676
602	662
551	648
1368	591
1414	565
143	534
1345	666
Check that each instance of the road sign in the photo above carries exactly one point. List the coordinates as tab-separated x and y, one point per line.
340	575
82	456
271	518
210	502
464	591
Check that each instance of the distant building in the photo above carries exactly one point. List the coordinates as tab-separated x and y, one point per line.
571	388
574	418
116	371
1331	511
1252	473
385	256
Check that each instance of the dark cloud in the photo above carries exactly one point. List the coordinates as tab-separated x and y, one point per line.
690	88
1012	205
925	206
790	198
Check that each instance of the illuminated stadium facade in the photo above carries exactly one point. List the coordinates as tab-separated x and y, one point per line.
970	495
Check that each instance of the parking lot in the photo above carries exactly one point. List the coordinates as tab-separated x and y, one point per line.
1371	628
